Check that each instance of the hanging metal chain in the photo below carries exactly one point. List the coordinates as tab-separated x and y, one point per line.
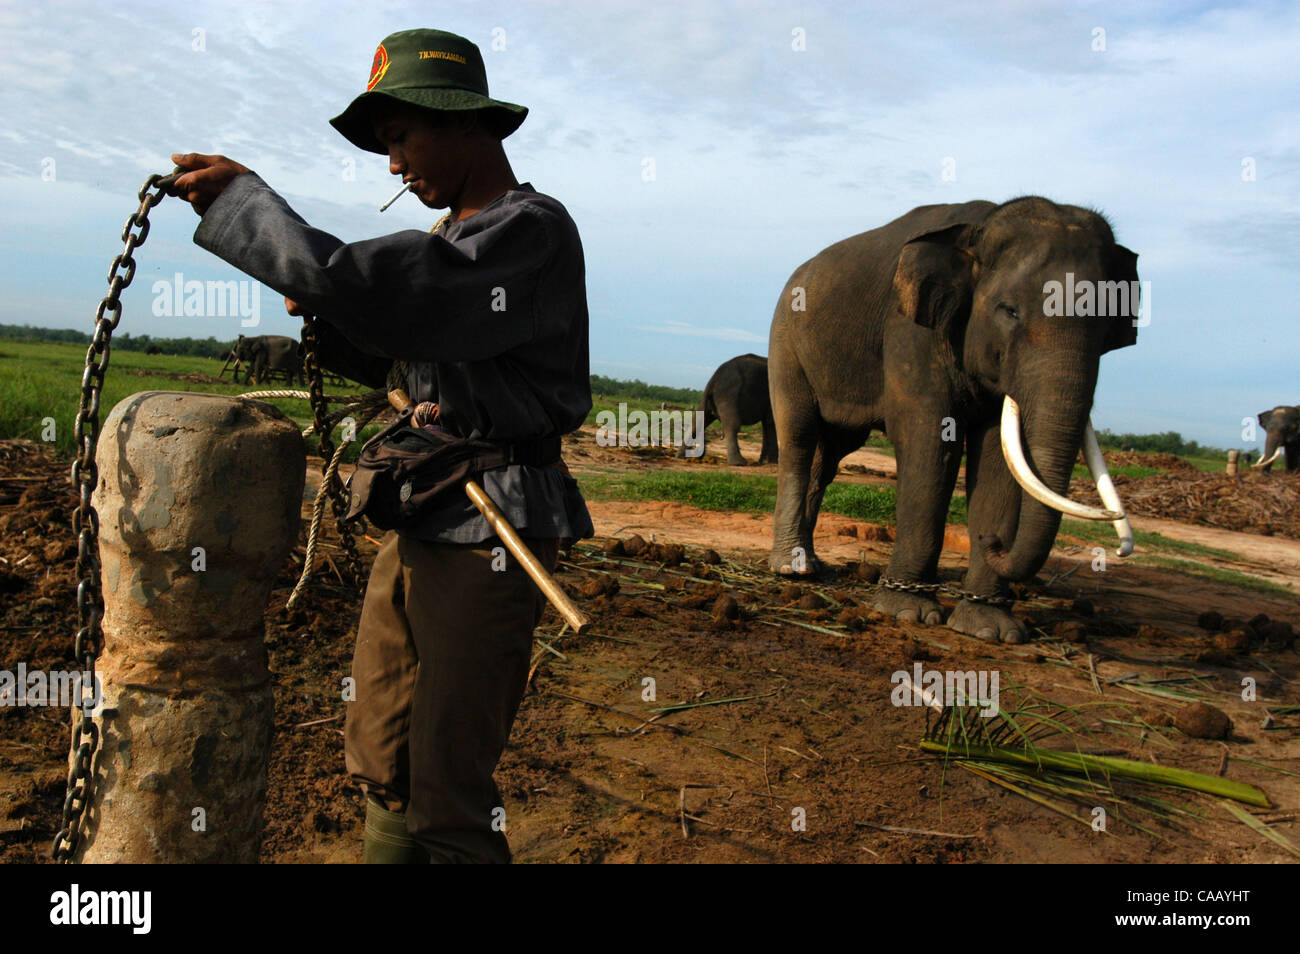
320	412
369	405
85	523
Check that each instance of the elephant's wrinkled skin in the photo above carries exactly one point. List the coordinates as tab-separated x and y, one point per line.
1282	436
737	395
265	353
920	328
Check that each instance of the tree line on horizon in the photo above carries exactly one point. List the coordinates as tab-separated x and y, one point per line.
1169	442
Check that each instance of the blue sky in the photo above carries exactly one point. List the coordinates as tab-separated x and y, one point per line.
763	155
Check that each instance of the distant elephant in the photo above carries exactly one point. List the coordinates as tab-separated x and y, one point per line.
942	328
1282	427
265	353
737	395
153	349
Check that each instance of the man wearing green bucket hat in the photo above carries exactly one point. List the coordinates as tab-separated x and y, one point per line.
487	315
433	70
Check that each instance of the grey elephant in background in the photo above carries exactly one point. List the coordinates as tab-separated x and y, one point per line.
265	353
737	395
1282	429
943	329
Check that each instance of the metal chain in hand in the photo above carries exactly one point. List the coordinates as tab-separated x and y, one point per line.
320	412
945	588
85	523
324	423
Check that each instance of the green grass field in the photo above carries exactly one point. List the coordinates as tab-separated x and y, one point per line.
41	381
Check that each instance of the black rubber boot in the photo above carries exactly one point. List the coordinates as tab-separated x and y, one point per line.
387	841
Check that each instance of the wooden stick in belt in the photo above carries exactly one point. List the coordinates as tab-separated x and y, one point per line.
578	622
559	599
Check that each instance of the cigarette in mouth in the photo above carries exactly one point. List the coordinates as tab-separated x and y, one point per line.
397	196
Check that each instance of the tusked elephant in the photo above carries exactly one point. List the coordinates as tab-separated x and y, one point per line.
1282	429
265	353
943	329
737	395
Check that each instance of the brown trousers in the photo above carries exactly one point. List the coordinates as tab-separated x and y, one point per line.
442	658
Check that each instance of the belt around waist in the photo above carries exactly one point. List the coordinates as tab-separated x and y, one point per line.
534	452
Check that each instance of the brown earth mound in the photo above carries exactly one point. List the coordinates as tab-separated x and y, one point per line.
1267	504
1169	462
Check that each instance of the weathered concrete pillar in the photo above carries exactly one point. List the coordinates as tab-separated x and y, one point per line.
1233	455
199	501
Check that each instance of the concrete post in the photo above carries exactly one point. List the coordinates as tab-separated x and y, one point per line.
1233	455
199	500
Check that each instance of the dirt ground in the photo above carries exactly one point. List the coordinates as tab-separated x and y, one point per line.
791	717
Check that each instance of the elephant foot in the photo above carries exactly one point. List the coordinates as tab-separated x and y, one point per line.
908	607
990	623
782	565
736	461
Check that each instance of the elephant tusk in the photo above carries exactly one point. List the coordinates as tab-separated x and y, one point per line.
1106	489
1013	450
1270	458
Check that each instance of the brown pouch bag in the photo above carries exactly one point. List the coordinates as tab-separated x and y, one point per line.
404	470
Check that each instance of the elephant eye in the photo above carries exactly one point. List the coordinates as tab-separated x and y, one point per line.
1010	311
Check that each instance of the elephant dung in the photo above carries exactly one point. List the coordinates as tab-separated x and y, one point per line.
199	499
866	572
669	554
726	607
1237	641
1201	721
1071	631
598	585
1211	620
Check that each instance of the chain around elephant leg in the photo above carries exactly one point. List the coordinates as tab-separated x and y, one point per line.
908	602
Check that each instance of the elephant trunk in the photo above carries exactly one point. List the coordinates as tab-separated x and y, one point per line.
1054	439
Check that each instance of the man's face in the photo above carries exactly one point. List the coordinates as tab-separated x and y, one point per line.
431	155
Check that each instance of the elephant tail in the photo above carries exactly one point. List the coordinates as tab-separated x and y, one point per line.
708	407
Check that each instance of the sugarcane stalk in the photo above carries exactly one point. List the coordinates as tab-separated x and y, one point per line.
1081	764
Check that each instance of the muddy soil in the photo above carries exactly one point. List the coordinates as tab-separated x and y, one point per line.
790	749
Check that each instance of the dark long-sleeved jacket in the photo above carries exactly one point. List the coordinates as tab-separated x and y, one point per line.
491	311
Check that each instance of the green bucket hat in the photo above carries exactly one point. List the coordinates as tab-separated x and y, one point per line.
432	69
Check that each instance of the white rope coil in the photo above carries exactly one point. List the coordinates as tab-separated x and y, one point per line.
300	395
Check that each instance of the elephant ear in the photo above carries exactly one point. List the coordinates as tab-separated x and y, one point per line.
1123	268
935	277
